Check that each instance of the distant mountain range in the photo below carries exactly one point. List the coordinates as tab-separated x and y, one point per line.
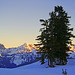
2	46
25	48
22	55
14	57
72	48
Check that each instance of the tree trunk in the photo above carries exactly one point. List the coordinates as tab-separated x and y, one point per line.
48	61
51	62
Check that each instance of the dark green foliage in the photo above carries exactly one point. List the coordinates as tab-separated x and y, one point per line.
55	37
62	33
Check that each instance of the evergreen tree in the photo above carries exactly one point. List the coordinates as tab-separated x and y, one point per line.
46	43
62	33
55	37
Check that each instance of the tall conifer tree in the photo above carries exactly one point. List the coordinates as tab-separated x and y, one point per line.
62	33
55	36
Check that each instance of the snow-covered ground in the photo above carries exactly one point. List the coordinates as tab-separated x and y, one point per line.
37	69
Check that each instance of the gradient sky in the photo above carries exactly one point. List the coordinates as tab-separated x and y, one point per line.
19	19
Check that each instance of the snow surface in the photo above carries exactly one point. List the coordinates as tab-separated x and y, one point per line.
13	57
71	55
37	69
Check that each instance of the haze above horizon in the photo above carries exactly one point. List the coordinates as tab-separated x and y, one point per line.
19	19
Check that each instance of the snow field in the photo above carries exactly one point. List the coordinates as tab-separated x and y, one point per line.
37	69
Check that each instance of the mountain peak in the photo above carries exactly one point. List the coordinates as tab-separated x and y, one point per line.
28	46
25	48
2	46
25	44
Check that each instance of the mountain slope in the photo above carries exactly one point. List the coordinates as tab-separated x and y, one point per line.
25	48
2	46
37	69
22	55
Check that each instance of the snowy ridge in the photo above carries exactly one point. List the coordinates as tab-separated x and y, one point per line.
22	55
2	46
37	69
25	48
71	55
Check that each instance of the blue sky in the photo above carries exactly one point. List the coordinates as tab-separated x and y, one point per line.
19	19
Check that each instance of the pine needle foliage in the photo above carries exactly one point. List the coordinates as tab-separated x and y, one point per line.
55	36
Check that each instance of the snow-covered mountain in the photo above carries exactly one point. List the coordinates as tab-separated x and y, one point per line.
2	46
72	48
37	69
22	55
25	48
71	53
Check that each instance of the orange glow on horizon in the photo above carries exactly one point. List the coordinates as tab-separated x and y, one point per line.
16	43
0	54
19	52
